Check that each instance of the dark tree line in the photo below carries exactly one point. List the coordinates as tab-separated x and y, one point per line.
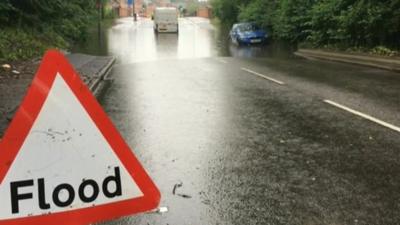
342	23
29	27
69	18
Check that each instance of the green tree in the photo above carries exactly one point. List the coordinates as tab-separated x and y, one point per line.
342	23
260	11
291	21
28	27
228	10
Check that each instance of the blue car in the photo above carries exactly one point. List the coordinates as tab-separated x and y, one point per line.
247	33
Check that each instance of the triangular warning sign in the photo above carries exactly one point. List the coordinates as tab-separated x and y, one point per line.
63	162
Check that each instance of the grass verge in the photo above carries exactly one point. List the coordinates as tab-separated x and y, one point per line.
19	44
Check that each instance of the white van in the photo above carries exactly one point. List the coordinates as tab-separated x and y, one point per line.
166	19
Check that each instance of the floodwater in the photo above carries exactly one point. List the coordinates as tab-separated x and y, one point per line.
134	42
240	149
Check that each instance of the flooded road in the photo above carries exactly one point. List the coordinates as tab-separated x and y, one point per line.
249	135
134	42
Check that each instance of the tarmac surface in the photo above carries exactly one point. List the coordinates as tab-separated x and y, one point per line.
243	135
254	137
13	86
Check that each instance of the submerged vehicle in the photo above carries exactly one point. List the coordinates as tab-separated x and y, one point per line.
247	33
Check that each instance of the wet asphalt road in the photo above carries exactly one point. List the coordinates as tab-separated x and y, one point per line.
246	149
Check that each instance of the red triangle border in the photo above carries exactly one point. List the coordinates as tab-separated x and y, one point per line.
15	135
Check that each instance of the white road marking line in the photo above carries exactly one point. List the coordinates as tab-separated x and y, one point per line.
221	60
365	116
263	76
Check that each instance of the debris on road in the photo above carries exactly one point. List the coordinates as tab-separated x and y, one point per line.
176	186
184	195
6	67
162	209
15	72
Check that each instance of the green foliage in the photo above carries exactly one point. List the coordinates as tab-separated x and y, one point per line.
291	21
227	10
324	22
19	44
191	8
261	11
5	11
381	50
109	13
41	24
341	23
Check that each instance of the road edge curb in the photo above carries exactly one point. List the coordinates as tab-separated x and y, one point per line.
381	63
94	85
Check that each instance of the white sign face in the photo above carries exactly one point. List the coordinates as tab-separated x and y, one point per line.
64	164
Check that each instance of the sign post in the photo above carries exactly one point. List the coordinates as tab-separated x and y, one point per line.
131	3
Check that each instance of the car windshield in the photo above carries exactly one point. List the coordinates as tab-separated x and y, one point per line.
248	27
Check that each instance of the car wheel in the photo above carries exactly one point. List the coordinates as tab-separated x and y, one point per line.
238	42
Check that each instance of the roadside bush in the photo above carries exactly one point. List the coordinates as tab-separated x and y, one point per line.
261	11
29	27
341	24
227	10
381	50
291	20
109	13
19	44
